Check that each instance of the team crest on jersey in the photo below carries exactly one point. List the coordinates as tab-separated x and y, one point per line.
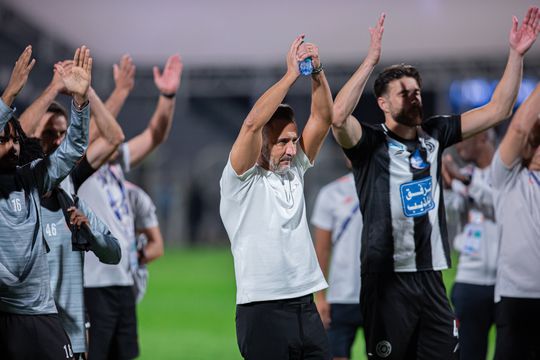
416	197
427	144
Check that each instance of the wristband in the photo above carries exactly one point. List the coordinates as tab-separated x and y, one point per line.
317	70
168	96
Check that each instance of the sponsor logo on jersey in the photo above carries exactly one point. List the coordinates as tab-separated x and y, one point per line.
416	197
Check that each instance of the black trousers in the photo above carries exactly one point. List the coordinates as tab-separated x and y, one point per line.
289	329
113	323
475	311
518	329
33	337
407	316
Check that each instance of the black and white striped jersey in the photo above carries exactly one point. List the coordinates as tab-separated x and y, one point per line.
399	185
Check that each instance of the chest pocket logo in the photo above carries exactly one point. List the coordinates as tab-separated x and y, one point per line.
416	197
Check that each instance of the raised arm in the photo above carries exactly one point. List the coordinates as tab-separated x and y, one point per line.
30	119
505	94
320	119
111	134
50	171
516	138
19	77
124	80
160	124
345	127
247	147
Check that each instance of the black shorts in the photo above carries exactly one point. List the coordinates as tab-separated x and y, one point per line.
33	337
407	316
346	319
518	329
113	323
281	329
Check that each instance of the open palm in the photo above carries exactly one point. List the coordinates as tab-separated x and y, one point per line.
169	81
522	37
77	75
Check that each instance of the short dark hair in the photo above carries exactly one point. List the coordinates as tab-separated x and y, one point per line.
394	72
58	110
283	112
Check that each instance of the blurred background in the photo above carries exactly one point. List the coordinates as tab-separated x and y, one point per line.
233	51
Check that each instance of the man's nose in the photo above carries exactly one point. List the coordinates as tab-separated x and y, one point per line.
291	149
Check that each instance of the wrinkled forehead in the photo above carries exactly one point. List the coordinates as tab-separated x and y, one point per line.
281	128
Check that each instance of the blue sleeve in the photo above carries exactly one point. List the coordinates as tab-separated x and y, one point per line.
47	173
102	243
5	114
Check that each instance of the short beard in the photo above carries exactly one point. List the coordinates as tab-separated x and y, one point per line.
410	117
275	167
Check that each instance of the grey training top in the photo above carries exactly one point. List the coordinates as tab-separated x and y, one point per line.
517	199
24	273
66	265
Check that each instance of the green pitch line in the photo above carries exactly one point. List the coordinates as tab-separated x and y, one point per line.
188	311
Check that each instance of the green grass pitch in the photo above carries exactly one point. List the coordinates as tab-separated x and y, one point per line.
188	311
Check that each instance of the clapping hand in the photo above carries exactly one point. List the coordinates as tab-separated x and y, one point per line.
522	37
168	81
77	75
19	76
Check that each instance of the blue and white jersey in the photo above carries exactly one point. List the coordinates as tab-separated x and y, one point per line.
399	186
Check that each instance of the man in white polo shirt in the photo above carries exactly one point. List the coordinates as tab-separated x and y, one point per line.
263	210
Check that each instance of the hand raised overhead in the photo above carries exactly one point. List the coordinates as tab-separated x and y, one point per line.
77	77
375	46
168	81
292	56
19	75
124	74
57	82
311	50
522	37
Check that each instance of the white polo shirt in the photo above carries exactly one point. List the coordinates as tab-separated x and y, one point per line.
265	217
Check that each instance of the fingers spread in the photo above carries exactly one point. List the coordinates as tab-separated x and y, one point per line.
76	57
89	65
85	59
31	65
156	72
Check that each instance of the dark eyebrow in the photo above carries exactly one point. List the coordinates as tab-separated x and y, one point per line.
294	138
